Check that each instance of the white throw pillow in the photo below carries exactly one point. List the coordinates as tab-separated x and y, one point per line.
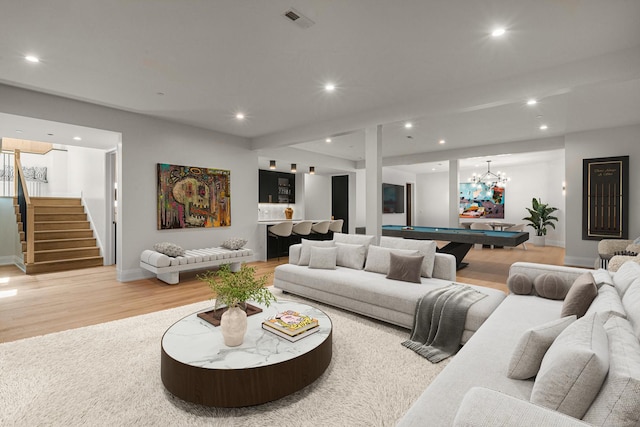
305	252
574	368
425	247
234	243
602	277
351	256
532	346
354	239
619	398
169	249
324	258
625	275
378	258
607	303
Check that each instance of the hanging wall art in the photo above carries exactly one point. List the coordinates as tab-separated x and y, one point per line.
193	197
605	190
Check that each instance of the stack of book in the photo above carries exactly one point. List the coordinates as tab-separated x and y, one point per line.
291	325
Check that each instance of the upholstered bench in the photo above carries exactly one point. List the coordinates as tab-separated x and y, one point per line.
168	268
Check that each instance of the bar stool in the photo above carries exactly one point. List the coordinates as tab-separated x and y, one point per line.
301	229
280	231
320	229
336	225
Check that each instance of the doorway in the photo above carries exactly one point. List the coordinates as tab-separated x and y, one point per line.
340	199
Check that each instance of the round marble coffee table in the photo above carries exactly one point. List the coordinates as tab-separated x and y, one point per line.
197	367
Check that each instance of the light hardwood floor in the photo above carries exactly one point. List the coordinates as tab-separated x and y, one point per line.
45	303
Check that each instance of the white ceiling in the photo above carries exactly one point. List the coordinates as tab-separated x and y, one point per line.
430	62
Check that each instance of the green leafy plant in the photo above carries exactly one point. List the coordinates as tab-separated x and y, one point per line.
233	289
540	217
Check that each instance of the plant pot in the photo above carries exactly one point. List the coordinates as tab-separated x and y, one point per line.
537	240
233	325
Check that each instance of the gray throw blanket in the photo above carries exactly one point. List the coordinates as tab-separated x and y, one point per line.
439	321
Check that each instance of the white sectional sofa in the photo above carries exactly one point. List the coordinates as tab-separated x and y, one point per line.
474	388
366	290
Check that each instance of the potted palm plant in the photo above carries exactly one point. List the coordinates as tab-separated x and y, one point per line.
539	219
233	290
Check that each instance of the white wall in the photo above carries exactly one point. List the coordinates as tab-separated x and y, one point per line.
87	177
317	200
389	176
145	142
540	180
612	142
394	176
432	199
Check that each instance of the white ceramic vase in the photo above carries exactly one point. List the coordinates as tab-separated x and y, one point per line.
233	325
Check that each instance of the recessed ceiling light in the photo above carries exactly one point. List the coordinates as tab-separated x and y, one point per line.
240	116
544	127
77	138
328	140
408	125
498	32
442	141
329	87
532	101
18	131
433	169
32	58
160	93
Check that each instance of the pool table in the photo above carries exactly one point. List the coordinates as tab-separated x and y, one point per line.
460	239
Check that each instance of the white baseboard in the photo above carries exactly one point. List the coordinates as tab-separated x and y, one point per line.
579	261
133	274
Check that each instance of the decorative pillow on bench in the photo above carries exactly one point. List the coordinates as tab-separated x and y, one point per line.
234	243
169	249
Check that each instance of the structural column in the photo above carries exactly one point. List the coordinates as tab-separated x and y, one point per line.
454	193
373	164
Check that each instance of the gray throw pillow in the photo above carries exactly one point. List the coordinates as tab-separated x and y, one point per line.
574	368
532	346
406	268
323	258
550	286
425	247
520	284
234	243
378	258
169	249
580	296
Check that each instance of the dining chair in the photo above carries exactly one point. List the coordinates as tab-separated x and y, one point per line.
517	227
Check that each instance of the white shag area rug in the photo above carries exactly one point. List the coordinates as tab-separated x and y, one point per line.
109	375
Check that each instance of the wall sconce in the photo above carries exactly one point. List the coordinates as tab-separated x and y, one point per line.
272	164
312	170
293	168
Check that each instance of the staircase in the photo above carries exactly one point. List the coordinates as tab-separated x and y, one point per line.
63	238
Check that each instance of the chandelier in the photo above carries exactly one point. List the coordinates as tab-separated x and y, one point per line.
489	178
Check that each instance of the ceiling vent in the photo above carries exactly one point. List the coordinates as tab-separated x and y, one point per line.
297	18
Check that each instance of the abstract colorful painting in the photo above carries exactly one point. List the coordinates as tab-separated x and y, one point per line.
193	197
481	201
